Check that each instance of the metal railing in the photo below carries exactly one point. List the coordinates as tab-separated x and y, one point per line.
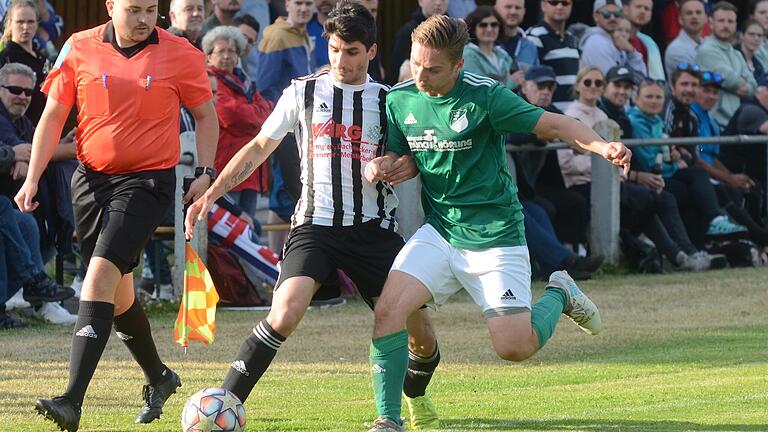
605	216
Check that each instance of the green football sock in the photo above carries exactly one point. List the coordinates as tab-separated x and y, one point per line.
389	361
545	314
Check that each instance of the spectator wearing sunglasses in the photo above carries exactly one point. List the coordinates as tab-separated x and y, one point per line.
733	189
482	56
639	14
682	49
718	55
558	48
607	44
590	84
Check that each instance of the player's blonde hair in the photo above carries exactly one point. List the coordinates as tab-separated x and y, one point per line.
443	33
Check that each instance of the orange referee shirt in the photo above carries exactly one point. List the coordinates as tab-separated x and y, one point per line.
128	106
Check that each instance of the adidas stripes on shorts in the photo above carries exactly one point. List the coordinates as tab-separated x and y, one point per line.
498	279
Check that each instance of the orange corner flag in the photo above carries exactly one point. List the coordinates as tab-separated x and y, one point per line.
197	312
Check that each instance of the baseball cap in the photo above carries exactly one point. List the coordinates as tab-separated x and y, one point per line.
541	74
600	3
620	73
713	79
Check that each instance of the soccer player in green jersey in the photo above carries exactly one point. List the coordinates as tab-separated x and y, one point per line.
452	123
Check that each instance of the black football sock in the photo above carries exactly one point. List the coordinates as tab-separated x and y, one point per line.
94	320
252	361
132	327
419	373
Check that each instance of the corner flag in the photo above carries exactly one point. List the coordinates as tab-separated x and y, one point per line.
197	312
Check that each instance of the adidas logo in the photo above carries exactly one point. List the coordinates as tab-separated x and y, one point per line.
508	295
239	366
123	337
411	119
87	331
378	369
323	108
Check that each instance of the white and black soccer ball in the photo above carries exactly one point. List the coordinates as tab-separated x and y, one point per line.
213	409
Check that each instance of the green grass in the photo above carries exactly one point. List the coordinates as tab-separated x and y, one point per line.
679	353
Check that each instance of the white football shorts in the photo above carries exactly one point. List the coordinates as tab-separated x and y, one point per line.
498	279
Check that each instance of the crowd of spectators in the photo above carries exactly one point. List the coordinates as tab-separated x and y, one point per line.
632	69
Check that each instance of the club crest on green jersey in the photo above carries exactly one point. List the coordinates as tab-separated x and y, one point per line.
458	119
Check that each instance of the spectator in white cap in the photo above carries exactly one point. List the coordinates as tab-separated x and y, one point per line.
607	44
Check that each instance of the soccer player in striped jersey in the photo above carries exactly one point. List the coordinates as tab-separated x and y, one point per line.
453	123
341	220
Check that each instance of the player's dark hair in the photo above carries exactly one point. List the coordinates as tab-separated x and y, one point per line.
248	20
351	22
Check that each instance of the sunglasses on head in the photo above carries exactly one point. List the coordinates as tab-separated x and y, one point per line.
712	77
686	67
16	90
607	14
659	82
555	3
598	82
493	24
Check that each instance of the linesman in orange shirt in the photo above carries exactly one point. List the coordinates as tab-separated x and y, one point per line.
128	79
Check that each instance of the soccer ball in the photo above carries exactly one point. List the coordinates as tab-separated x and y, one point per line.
213	409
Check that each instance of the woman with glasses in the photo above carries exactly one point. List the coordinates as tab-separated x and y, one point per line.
752	37
482	56
21	23
241	111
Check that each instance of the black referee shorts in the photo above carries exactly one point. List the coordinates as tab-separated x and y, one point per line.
115	215
365	252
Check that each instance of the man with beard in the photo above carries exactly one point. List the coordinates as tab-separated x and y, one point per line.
128	79
187	20
717	54
315	30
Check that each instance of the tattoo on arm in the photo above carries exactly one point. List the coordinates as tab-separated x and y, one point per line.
240	177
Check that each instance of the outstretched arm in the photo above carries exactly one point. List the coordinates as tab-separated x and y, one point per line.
239	168
567	129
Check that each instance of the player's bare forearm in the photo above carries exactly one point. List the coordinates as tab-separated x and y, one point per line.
244	163
567	129
206	132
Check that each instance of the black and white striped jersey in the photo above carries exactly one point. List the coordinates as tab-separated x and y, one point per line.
339	128
562	54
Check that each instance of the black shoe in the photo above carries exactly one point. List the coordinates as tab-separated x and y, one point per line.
42	289
60	410
155	396
7	322
588	264
147	284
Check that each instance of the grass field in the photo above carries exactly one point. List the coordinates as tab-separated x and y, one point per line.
679	352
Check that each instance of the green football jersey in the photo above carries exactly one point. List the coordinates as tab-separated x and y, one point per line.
457	142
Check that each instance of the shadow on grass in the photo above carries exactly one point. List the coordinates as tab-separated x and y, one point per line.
593	425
